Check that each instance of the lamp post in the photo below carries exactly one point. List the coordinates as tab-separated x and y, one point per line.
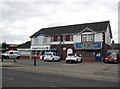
61	39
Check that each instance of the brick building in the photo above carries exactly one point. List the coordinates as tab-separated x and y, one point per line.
92	40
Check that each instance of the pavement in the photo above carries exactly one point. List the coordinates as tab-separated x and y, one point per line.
88	70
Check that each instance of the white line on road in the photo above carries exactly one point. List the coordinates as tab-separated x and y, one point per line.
7	78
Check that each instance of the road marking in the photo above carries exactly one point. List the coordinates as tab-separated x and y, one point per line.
7	78
53	86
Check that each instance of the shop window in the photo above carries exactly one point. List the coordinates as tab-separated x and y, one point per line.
89	54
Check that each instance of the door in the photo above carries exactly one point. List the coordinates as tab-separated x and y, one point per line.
98	56
69	51
11	55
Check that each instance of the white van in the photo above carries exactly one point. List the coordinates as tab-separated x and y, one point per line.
11	55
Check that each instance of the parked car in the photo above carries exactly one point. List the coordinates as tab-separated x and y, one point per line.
51	56
73	57
11	55
111	57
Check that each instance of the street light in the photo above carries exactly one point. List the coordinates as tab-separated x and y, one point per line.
61	39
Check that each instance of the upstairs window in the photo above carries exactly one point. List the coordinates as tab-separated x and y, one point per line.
55	38
87	37
69	38
36	41
62	38
52	39
45	40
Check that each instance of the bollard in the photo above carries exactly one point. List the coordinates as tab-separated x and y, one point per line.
34	60
2	59
15	60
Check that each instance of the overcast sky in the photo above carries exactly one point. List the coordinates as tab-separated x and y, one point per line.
21	18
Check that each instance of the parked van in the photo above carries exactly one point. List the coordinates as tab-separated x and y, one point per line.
11	55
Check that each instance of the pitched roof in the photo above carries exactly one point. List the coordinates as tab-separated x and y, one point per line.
25	45
96	26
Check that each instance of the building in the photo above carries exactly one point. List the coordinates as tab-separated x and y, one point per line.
24	50
92	40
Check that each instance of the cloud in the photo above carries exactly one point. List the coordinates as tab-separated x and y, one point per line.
22	18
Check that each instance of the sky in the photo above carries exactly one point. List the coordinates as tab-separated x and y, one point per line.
19	19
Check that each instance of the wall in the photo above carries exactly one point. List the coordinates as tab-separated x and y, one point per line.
25	53
77	38
98	37
39	41
107	36
64	49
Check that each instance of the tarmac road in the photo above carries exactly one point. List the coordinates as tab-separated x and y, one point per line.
17	78
88	70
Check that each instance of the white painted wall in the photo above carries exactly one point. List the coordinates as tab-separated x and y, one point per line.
77	38
98	37
66	42
107	36
39	40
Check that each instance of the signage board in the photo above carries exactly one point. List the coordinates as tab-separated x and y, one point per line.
47	47
88	45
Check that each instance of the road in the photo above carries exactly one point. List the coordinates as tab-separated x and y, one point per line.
17	78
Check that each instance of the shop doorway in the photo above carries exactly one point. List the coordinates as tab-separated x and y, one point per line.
98	57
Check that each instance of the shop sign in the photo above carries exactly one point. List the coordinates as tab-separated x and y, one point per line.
64	48
40	47
88	45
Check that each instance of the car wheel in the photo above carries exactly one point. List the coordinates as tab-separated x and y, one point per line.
7	57
81	61
53	59
77	61
67	61
18	57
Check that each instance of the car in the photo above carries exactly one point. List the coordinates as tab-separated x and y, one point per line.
11	55
73	57
51	56
111	57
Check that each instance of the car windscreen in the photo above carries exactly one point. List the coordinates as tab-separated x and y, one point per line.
114	55
71	54
17	53
47	53
7	52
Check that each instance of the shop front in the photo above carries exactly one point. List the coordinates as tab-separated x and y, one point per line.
90	51
62	50
39	50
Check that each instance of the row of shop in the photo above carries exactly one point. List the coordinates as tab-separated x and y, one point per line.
89	51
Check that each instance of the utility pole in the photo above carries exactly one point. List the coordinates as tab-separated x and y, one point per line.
61	47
